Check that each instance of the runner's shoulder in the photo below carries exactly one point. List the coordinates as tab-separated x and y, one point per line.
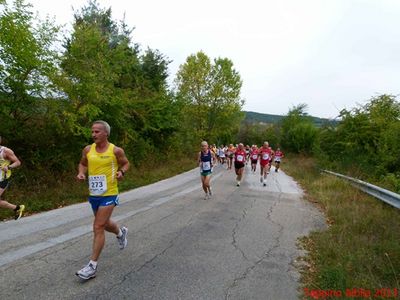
6	151
86	149
118	151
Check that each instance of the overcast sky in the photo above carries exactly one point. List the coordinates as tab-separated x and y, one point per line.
329	54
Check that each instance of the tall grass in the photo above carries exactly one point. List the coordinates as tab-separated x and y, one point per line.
360	249
47	192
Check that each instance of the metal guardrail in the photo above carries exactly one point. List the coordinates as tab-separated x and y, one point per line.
389	197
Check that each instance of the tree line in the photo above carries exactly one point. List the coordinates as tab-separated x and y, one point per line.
363	141
54	84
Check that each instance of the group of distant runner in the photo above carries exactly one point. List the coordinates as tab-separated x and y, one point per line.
238	156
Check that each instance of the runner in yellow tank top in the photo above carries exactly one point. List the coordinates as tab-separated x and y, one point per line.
105	165
102	171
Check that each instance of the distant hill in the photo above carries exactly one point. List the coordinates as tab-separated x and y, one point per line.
254	117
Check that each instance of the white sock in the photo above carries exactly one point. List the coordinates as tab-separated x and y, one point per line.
93	263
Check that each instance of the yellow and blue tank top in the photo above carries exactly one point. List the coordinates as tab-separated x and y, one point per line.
102	169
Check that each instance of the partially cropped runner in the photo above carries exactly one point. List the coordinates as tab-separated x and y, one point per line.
254	158
8	161
248	150
105	164
206	160
265	155
230	153
221	151
278	157
214	149
240	160
271	158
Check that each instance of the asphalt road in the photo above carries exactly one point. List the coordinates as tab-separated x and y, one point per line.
241	244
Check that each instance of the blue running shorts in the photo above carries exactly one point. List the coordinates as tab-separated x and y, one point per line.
97	201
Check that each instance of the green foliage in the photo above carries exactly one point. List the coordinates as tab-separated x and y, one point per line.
106	77
366	142
299	134
26	55
210	96
257	134
27	67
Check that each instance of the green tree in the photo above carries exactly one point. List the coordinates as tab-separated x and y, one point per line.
299	134
254	133
28	63
106	76
210	92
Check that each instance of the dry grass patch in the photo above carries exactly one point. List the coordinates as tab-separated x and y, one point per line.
361	247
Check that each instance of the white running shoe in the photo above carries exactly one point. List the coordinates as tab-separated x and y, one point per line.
123	241
238	183
87	272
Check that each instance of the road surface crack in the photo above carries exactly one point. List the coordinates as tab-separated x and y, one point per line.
235	229
171	243
266	254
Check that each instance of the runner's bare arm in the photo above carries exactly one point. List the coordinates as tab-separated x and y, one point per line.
214	158
123	162
83	164
15	162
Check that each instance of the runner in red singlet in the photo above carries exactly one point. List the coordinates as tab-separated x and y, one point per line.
264	154
254	158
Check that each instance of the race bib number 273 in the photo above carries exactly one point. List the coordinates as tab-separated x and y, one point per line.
97	184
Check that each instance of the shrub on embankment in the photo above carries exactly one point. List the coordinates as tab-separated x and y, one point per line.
365	143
